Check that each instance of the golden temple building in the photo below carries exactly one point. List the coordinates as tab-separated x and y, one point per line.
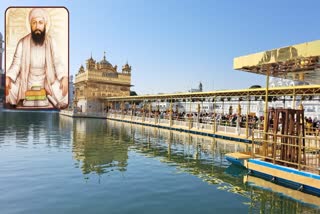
100	80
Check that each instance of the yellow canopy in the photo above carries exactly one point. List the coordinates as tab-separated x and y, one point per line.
296	62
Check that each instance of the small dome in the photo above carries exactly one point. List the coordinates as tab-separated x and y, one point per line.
90	59
81	70
126	66
104	62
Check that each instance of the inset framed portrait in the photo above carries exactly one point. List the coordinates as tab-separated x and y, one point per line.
36	58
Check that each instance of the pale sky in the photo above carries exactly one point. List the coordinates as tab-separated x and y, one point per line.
172	45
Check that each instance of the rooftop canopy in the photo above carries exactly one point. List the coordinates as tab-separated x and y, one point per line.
304	90
296	62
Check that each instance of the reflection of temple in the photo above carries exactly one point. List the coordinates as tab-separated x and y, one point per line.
94	147
198	155
99	80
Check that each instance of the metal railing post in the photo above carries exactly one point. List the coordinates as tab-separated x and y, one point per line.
274	147
252	146
299	152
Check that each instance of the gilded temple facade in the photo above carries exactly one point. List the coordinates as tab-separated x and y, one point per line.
99	80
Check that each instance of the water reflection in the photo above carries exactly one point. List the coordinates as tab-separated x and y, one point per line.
27	128
165	166
202	157
197	155
277	197
98	148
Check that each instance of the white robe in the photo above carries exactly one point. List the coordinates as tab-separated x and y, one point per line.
35	65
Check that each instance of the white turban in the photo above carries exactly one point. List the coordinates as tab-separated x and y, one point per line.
38	12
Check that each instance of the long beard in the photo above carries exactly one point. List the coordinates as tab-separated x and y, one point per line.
38	38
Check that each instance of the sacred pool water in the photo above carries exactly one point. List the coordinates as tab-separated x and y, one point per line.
56	164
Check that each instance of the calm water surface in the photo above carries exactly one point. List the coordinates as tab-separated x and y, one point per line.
55	164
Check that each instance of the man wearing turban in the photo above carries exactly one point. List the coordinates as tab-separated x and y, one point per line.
36	63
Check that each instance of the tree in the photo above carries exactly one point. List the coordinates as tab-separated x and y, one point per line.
133	93
255	86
